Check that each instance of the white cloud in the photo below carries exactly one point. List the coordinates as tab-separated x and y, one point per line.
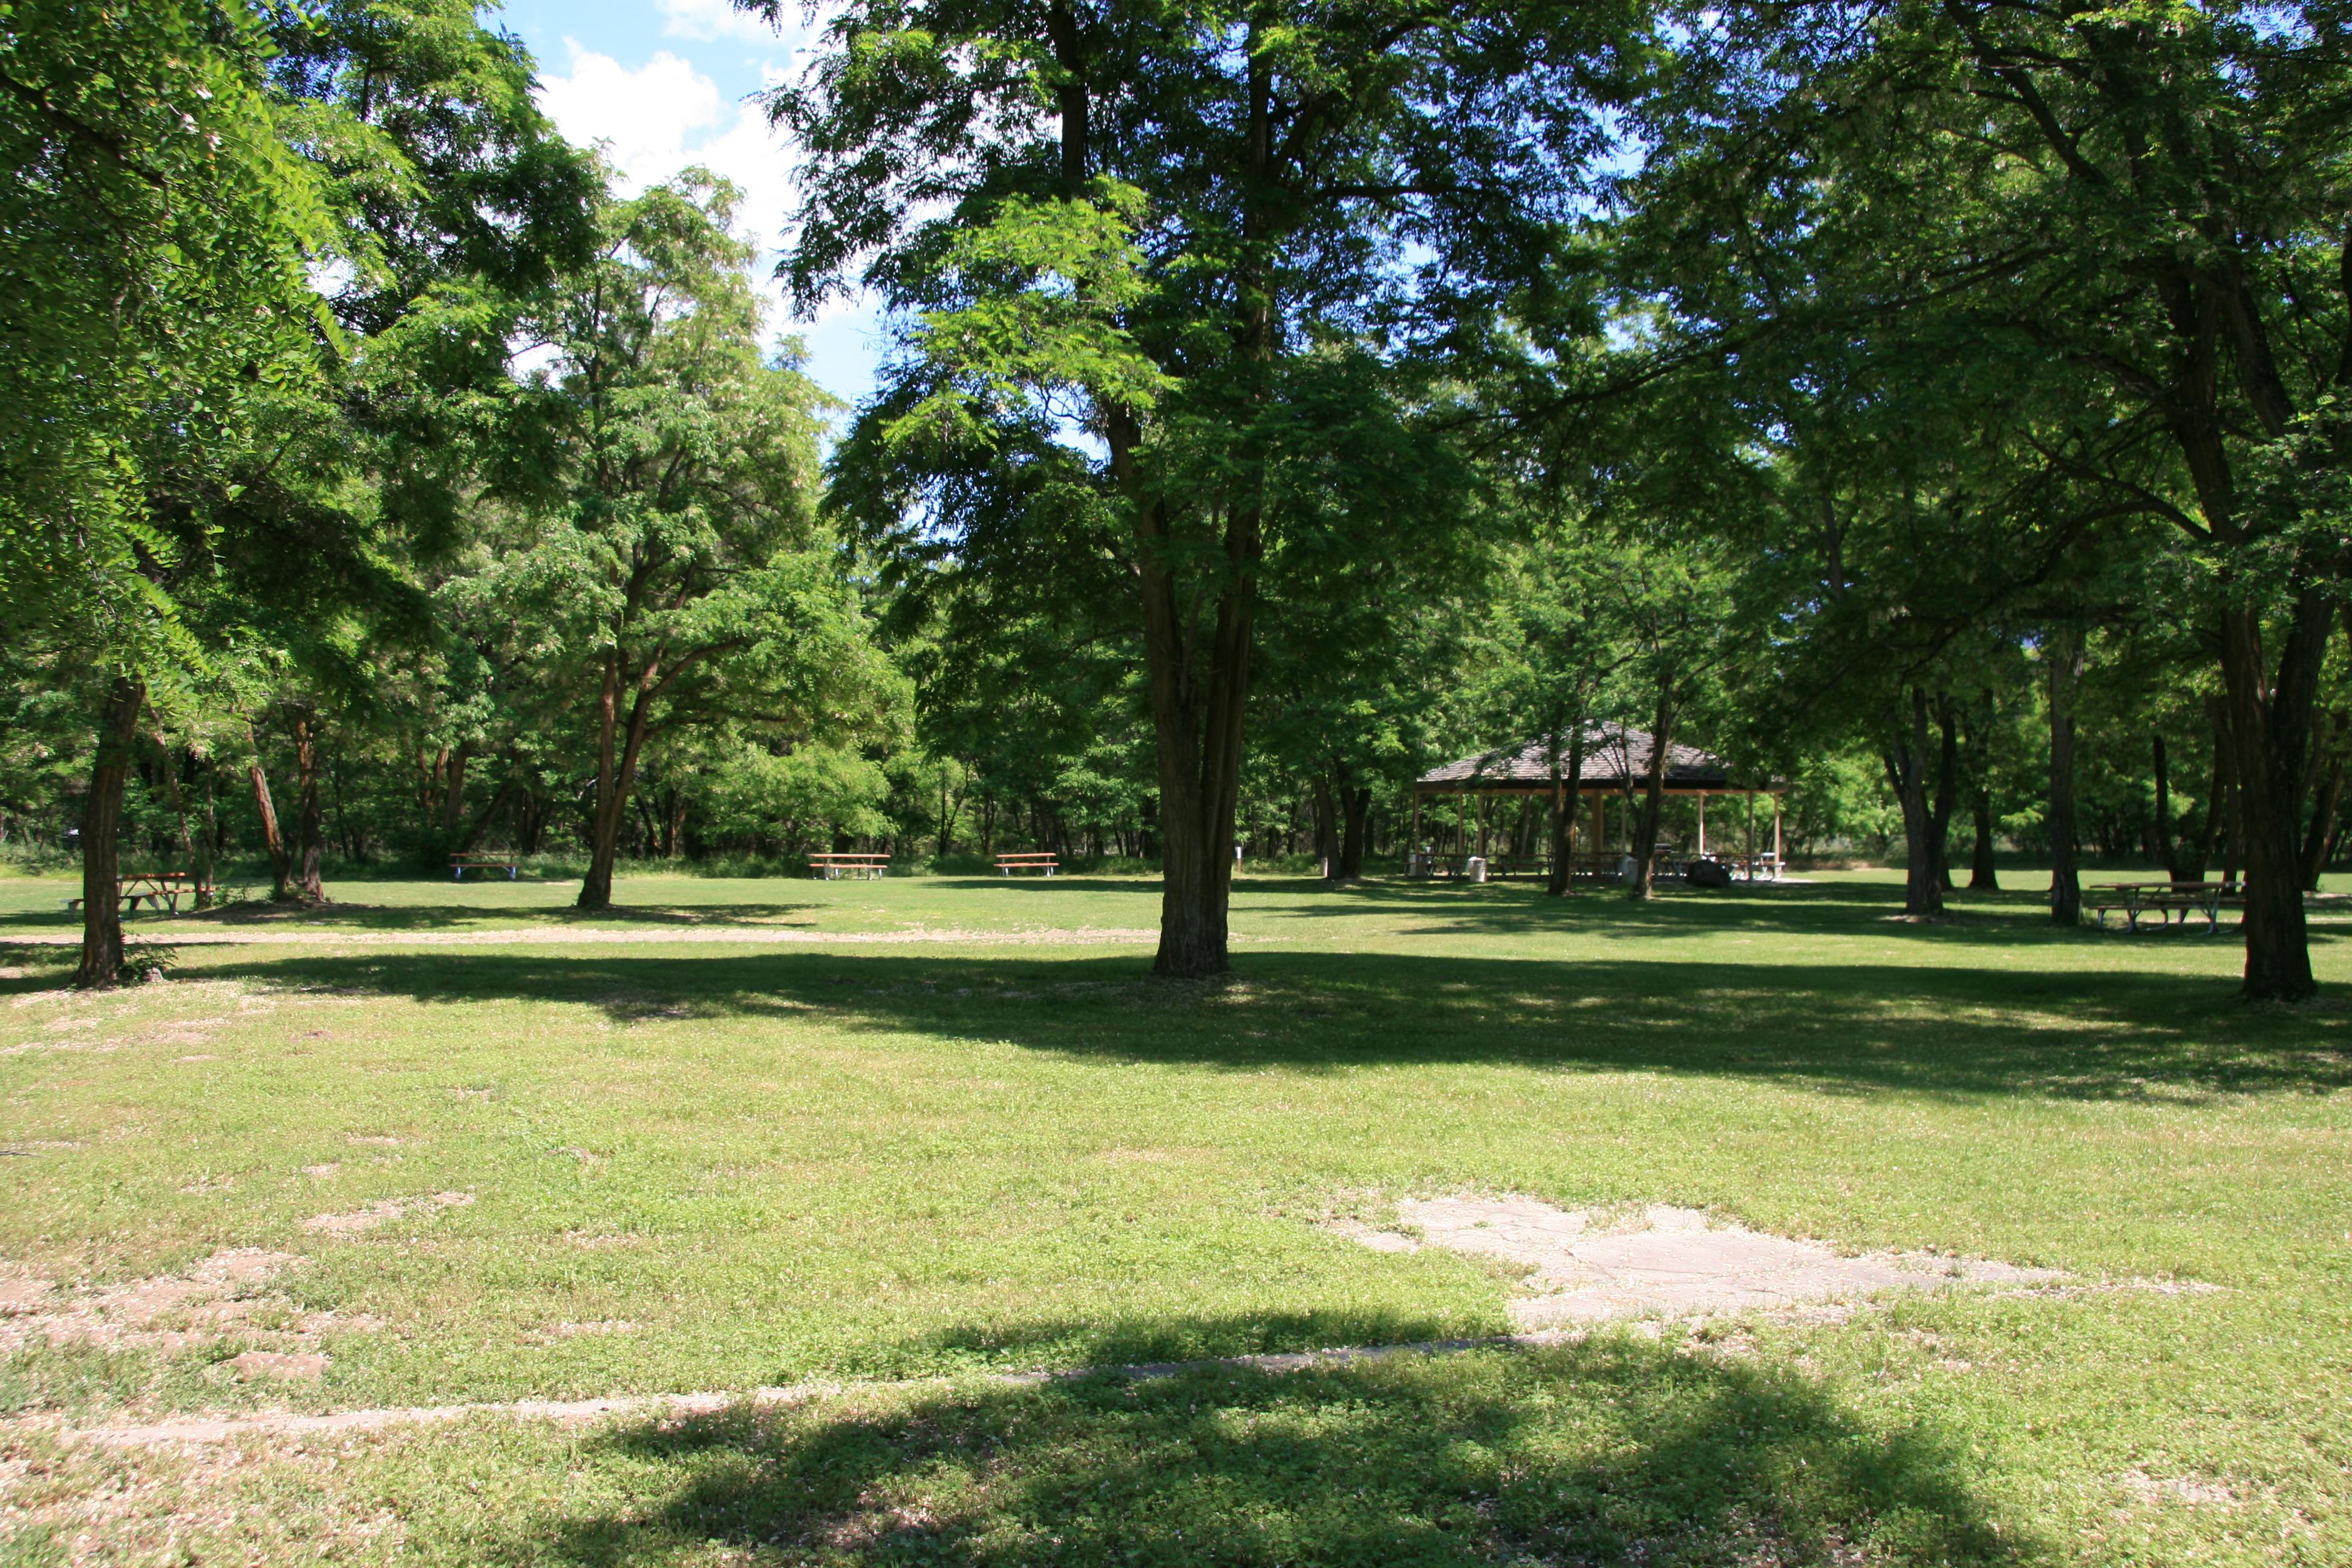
708	19
666	116
646	116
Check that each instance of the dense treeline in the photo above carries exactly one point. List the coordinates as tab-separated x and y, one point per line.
1938	407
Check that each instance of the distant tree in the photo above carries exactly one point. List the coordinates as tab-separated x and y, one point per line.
1159	229
671	551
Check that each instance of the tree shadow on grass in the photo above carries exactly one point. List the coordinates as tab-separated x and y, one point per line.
1940	1028
1611	1451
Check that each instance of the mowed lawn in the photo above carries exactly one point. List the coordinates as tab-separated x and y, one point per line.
896	1137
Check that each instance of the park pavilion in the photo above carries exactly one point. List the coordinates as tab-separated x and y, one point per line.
1616	769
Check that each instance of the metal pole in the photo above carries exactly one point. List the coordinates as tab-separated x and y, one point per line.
1702	823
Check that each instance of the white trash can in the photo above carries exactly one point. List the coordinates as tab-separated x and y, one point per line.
1476	870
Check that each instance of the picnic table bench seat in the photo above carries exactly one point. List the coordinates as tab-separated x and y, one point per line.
460	863
834	868
160	889
2134	899
1041	861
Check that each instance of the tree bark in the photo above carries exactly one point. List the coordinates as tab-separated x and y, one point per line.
1327	826
281	864
1564	801
1984	875
1926	822
2065	650
2167	853
453	788
1653	795
2269	729
615	776
102	828
1355	814
307	886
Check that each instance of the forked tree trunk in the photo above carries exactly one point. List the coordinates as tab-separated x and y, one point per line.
453	789
1327	826
2168	851
1199	686
1984	875
307	886
1654	796
619	743
281	864
1565	800
1925	822
2066	655
101	830
1355	813
2269	729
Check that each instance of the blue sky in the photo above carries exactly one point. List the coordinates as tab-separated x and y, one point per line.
668	83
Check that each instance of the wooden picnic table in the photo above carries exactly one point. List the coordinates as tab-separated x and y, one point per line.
160	889
2133	900
460	863
1036	861
1760	867
833	868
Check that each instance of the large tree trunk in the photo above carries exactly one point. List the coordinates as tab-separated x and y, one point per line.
281	864
1925	822
1654	796
2269	729
615	776
208	841
1947	784
307	886
2168	843
453	789
1354	819
2065	650
1198	695
1327	826
1564	801
474	830
1984	876
101	829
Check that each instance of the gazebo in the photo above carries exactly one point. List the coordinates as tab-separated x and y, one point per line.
1616	765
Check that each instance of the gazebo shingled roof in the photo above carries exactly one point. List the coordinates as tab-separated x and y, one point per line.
1616	758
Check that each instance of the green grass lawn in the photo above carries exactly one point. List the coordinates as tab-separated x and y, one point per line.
743	1133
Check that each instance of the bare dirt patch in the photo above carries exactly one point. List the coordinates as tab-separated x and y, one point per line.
1584	1266
168	1311
383	1211
302	1367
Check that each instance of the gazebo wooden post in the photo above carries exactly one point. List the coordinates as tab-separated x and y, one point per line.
1776	828
1751	836
1702	824
1485	799
1599	824
1413	835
